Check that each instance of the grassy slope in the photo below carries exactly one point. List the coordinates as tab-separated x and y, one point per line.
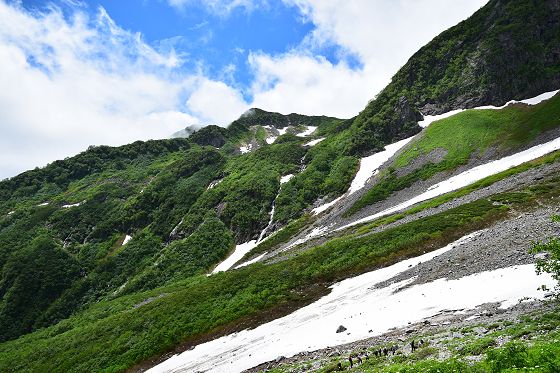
113	335
463	136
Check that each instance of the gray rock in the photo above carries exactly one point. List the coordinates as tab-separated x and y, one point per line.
341	329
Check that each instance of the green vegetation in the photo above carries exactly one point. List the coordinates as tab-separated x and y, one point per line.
113	334
462	136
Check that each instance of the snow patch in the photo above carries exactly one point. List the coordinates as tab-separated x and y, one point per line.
11	213
246	149
73	205
308	131
468	177
43	204
282	131
214	183
370	165
284	179
360	306
326	206
254	260
126	239
314	142
238	253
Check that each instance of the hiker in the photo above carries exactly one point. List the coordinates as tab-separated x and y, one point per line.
385	351
412	346
351	361
394	349
339	367
367	356
421	342
359	359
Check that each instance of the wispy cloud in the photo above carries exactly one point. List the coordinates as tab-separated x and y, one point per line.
219	7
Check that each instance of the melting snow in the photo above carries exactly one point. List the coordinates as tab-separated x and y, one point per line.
214	183
314	142
282	131
358	305
254	260
240	251
284	179
370	165
429	119
246	149
326	206
468	177
43	204
73	205
308	131
126	239
11	212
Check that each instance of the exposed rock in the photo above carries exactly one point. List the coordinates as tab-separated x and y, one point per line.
341	329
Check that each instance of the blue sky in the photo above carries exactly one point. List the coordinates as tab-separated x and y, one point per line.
78	73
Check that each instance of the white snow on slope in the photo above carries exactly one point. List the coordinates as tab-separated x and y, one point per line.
254	260
214	183
326	206
239	252
370	165
429	119
308	131
360	307
244	248
73	205
284	179
126	239
468	177
246	149
314	142
43	204
11	213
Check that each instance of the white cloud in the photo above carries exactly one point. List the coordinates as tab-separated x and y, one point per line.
300	83
382	34
216	103
68	84
71	84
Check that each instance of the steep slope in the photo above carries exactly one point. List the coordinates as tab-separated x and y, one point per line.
509	49
104	257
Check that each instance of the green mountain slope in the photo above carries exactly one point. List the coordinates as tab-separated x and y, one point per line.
509	49
104	256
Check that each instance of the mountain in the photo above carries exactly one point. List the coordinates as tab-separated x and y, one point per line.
117	258
508	50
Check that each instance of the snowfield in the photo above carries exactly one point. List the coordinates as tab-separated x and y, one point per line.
468	177
364	310
238	253
369	166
